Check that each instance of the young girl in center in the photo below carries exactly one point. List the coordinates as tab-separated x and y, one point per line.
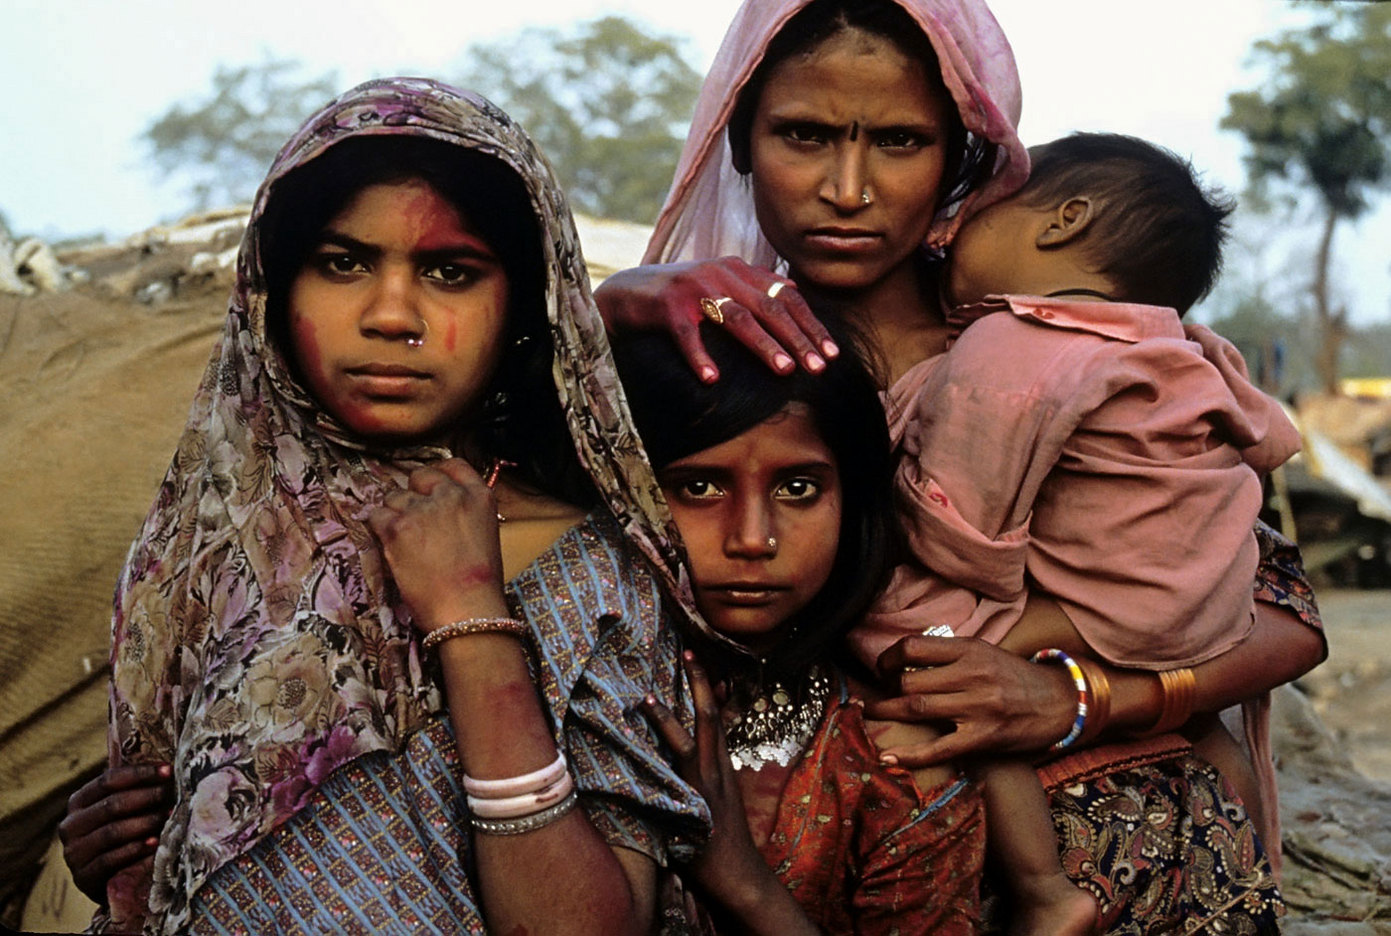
779	487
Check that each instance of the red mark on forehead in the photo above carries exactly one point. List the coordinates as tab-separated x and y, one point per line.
435	224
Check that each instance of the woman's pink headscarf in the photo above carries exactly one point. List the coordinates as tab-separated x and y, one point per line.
709	211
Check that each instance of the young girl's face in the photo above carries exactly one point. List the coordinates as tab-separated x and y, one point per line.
397	316
760	516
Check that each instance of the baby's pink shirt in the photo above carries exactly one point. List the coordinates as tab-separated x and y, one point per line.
1100	452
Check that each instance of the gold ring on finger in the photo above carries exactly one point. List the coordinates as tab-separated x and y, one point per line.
711	308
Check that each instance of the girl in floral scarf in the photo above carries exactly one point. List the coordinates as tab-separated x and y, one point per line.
410	296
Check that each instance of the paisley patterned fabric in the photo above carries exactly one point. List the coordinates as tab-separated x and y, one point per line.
1167	847
257	643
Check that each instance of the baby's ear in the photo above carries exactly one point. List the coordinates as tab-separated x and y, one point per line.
1067	222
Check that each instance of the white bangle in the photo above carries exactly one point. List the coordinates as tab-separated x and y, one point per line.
515	807
517	786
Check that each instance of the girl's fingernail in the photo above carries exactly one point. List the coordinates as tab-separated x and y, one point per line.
815	362
151	842
830	347
782	362
165	771
708	374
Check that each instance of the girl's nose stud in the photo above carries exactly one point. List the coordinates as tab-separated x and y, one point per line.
772	542
415	342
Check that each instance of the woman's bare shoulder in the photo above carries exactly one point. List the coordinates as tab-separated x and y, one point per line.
894	734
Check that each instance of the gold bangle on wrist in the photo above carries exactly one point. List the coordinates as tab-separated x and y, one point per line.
472	626
1179	688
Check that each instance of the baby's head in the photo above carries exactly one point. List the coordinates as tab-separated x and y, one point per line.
1102	212
779	485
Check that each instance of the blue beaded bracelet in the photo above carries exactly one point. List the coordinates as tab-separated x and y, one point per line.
1079	679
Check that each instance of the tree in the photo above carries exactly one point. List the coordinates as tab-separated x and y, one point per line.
225	143
1320	122
608	104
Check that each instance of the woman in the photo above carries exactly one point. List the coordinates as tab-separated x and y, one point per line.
410	288
844	138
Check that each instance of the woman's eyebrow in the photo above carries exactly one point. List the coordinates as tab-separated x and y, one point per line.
469	247
331	238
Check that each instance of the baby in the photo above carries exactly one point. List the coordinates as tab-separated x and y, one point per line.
1078	440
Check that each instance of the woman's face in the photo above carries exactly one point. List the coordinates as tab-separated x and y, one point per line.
760	517
397	316
848	149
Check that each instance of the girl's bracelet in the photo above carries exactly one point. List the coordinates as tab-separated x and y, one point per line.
529	823
474	626
526	804
519	785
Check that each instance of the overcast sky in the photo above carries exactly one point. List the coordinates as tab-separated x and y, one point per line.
87	76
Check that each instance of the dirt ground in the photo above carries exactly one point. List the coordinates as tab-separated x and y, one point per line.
1333	745
1351	691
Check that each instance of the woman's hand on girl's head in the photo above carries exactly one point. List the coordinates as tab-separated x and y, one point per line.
998	702
764	311
113	823
440	539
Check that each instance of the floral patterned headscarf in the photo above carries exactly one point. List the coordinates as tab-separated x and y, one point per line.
709	211
257	644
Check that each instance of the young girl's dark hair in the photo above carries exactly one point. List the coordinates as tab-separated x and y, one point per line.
521	420
970	157
677	415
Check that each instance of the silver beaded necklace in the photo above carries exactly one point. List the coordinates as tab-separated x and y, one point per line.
777	722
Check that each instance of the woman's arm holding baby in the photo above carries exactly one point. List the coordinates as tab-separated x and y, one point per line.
999	702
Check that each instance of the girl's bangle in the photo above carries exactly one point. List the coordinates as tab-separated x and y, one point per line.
526	823
520	785
474	626
527	804
1079	679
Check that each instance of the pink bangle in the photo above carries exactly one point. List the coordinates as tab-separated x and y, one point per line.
515	807
517	786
